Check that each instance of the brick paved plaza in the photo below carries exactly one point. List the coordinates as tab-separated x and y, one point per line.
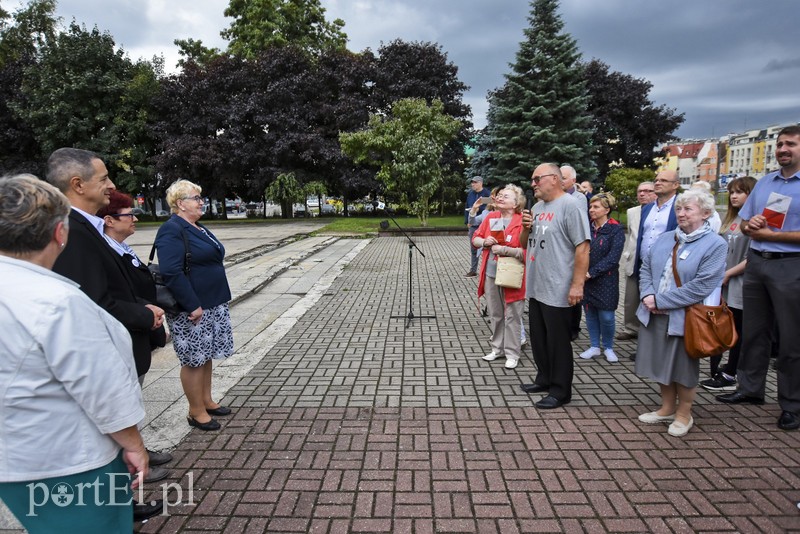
354	423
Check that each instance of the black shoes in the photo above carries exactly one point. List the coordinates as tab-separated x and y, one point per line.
159	458
154	474
626	336
550	402
210	425
788	421
719	383
142	511
470	274
739	398
219	410
533	388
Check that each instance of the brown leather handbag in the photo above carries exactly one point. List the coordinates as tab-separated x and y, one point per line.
707	330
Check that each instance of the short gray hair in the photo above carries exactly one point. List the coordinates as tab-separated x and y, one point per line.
703	200
30	210
178	190
65	163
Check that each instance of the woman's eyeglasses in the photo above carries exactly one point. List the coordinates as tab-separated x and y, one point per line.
196	198
118	215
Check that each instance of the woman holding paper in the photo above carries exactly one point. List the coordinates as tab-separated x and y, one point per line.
699	255
498	235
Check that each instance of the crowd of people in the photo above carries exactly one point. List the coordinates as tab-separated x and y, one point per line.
80	313
678	252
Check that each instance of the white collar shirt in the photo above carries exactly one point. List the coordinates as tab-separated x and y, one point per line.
656	224
67	377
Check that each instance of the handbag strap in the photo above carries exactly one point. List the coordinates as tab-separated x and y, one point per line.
187	255
675	264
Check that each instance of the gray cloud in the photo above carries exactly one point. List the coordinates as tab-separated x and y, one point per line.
706	59
779	65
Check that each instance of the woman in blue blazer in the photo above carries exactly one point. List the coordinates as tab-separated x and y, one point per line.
202	331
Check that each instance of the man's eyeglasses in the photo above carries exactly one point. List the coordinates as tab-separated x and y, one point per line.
537	179
647	190
118	215
196	198
661	181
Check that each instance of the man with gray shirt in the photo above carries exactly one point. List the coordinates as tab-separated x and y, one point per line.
557	258
568	183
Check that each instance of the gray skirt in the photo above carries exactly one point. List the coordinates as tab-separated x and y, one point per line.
663	358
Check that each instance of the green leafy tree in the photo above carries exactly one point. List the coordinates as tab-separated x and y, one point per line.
622	183
72	95
260	24
408	148
540	113
191	50
22	35
286	190
422	70
627	125
33	26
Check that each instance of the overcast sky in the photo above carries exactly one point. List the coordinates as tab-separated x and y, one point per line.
729	65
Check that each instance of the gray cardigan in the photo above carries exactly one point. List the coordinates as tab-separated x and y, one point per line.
701	271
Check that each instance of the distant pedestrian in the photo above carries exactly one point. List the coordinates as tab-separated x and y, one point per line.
557	258
476	193
715	221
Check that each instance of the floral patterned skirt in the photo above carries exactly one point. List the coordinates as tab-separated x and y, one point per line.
211	338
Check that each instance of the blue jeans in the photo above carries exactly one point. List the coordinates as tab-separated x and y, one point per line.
600	324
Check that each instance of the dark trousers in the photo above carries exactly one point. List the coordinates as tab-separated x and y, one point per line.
771	295
552	349
575	321
733	354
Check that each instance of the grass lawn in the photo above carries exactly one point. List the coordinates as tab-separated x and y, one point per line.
371	225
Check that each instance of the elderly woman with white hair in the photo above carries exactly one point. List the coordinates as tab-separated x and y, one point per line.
715	221
202	331
699	254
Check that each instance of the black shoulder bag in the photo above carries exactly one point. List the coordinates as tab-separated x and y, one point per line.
164	297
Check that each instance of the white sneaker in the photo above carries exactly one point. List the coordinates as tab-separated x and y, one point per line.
610	356
511	363
492	356
590	353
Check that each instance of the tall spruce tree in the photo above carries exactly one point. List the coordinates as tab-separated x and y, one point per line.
540	115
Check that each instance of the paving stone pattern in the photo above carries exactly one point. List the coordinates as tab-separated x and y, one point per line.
355	423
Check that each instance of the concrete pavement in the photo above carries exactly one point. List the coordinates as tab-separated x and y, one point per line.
350	422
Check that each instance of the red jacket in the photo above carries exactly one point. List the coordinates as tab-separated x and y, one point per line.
513	230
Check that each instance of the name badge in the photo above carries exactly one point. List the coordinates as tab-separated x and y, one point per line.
508	239
684	255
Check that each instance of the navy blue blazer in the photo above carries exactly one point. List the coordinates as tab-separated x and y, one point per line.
672	223
206	286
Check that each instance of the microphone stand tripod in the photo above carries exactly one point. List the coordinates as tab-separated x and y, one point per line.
410	304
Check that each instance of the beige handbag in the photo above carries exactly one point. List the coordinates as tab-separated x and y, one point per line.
509	272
